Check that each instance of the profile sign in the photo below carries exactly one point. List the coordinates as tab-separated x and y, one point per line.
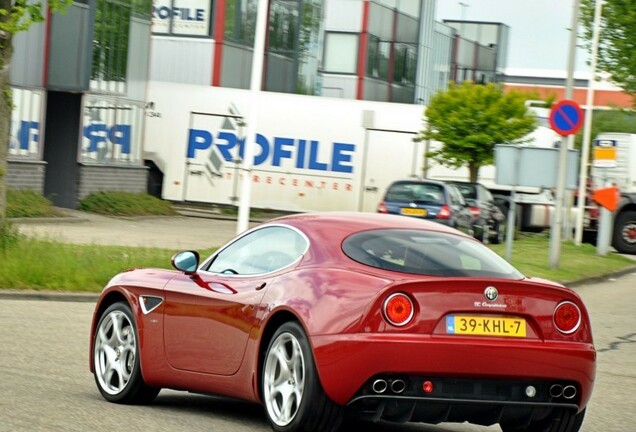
566	117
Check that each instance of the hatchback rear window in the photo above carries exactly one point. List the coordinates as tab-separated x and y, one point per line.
427	253
468	191
406	192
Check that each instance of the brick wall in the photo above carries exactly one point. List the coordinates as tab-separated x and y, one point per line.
96	178
26	175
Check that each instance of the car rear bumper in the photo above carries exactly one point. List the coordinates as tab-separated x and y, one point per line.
347	364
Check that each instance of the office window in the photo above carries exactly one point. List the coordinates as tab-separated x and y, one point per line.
378	58
240	21
405	64
110	46
341	52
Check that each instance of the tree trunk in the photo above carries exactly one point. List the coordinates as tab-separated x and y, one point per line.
473	170
6	103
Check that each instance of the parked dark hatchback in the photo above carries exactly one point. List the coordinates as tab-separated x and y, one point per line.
489	221
428	199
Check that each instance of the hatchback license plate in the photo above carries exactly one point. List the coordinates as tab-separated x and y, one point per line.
413	211
485	326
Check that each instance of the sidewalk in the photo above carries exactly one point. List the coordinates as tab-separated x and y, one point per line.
170	232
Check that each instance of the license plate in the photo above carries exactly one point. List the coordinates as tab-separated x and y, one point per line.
485	326
413	211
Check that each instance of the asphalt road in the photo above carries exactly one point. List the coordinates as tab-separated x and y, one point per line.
46	386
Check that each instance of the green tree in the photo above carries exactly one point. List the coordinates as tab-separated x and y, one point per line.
470	119
15	16
617	40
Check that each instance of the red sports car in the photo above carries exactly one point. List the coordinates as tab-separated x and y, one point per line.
379	316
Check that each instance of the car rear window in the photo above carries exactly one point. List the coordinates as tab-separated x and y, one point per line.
426	253
469	191
405	192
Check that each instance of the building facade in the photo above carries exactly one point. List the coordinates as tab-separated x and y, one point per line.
79	88
81	80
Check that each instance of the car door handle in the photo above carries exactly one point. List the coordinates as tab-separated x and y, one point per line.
261	286
371	188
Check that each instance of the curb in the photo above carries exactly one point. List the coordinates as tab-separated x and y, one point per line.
601	278
49	296
180	213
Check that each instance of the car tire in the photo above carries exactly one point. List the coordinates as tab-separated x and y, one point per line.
116	363
561	420
624	229
500	233
292	394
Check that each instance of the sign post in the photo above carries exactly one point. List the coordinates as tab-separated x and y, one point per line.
566	118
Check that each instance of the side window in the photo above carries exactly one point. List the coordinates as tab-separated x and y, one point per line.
262	251
456	197
488	196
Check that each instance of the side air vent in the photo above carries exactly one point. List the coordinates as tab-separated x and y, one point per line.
149	303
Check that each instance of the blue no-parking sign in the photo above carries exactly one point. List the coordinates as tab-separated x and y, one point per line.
566	117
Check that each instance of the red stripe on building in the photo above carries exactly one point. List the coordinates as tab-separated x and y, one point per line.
602	98
47	47
362	49
219	34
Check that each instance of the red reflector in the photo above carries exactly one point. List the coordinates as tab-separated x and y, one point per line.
444	212
567	317
427	387
398	309
382	207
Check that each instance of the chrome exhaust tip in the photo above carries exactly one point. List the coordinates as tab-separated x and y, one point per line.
379	386
556	390
398	386
569	392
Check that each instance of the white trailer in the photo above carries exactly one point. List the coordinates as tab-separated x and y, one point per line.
311	153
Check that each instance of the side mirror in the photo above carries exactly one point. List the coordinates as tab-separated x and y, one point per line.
187	261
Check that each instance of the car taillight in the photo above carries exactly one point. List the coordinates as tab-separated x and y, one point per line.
474	211
398	309
567	317
444	212
382	207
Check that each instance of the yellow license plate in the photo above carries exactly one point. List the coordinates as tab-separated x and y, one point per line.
413	211
485	326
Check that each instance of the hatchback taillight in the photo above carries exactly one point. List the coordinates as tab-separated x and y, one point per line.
382	207
474	211
398	309
567	317
444	212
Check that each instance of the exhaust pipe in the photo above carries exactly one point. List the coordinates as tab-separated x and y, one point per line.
379	386
569	391
556	390
398	386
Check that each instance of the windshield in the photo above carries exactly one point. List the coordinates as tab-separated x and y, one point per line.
427	253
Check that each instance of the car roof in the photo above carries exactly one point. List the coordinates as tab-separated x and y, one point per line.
420	181
464	182
349	222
